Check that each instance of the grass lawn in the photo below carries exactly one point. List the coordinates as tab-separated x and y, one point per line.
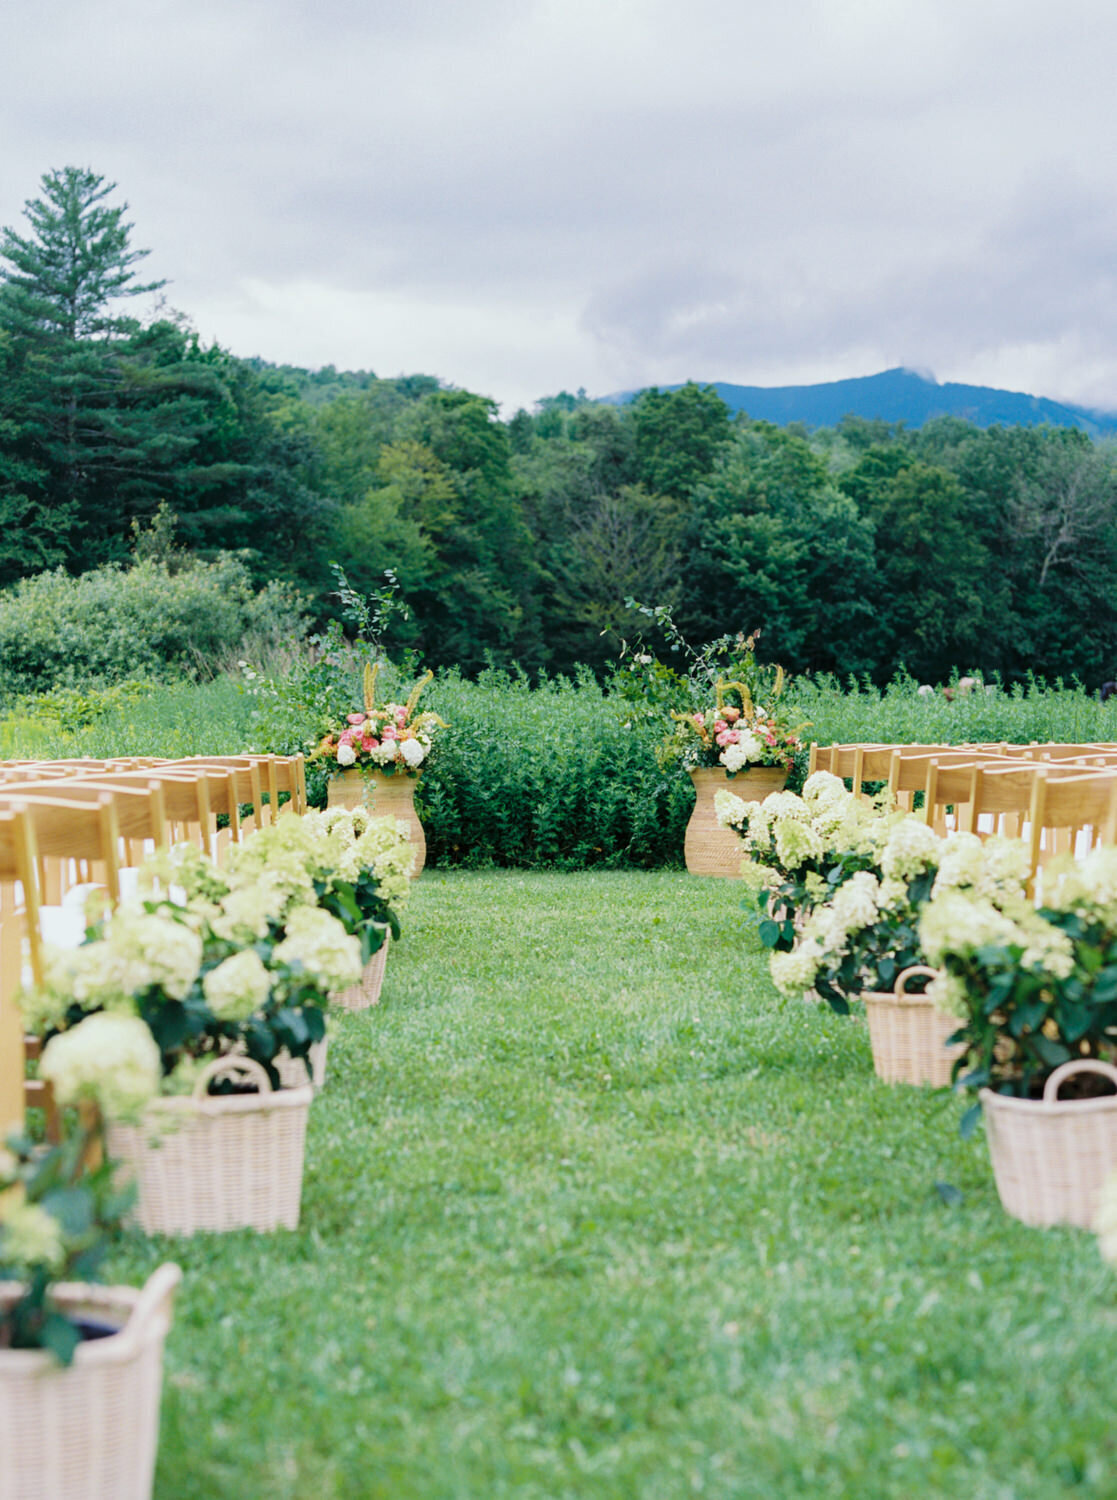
590	1212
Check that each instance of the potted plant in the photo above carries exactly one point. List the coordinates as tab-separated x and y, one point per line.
798	850
376	758
70	1351
224	990
736	740
1035	994
864	943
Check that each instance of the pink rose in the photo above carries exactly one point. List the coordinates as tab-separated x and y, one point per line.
354	718
389	732
720	726
346	737
726	737
368	744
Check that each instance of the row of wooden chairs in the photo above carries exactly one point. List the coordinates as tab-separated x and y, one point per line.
1057	802
58	831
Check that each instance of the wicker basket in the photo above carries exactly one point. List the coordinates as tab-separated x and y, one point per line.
88	1431
387	797
908	1035
231	1161
1051	1156
709	848
293	1070
367	993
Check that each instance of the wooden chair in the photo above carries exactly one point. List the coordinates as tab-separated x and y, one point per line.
32	831
1081	808
141	820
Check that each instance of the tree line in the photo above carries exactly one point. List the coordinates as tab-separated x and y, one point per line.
854	550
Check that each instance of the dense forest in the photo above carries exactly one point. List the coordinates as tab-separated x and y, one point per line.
854	549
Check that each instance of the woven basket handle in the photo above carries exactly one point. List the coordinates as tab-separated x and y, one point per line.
154	1301
1077	1065
914	972
241	1069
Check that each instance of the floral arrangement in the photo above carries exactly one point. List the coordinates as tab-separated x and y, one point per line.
58	1217
798	850
160	989
735	734
867	933
1031	989
389	737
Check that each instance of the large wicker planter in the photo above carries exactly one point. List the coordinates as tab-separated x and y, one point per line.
386	796
367	993
908	1035
709	848
88	1431
228	1161
1051	1156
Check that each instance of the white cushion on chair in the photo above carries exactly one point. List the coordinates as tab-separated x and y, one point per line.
61	926
76	897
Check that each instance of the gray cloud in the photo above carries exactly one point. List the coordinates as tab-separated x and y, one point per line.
520	196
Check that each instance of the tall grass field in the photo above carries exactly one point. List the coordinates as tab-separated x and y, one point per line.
560	775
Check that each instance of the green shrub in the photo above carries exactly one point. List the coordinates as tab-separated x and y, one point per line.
114	623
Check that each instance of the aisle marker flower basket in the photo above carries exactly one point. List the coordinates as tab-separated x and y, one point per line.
908	1034
374	760
217	1162
366	994
88	1431
1051	1156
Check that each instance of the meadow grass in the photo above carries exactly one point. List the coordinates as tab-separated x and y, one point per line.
589	1211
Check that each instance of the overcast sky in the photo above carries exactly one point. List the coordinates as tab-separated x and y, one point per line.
521	196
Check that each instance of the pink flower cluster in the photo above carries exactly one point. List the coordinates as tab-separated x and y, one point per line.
724	733
365	734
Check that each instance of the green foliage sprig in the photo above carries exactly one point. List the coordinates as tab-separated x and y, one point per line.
58	1219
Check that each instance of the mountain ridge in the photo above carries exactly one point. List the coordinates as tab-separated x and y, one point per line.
897	395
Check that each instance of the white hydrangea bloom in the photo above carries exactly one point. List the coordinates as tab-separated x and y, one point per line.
413	752
30	1236
957	923
109	1059
1087	886
856	903
1007	865
154	950
321	944
823	787
247	911
757	877
796	843
735	757
779	805
794	973
346	755
912	847
237	987
731	810
961	862
948	993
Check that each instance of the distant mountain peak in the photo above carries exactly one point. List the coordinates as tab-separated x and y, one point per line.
902	394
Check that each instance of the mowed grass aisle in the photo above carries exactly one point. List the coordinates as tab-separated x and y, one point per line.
590	1212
